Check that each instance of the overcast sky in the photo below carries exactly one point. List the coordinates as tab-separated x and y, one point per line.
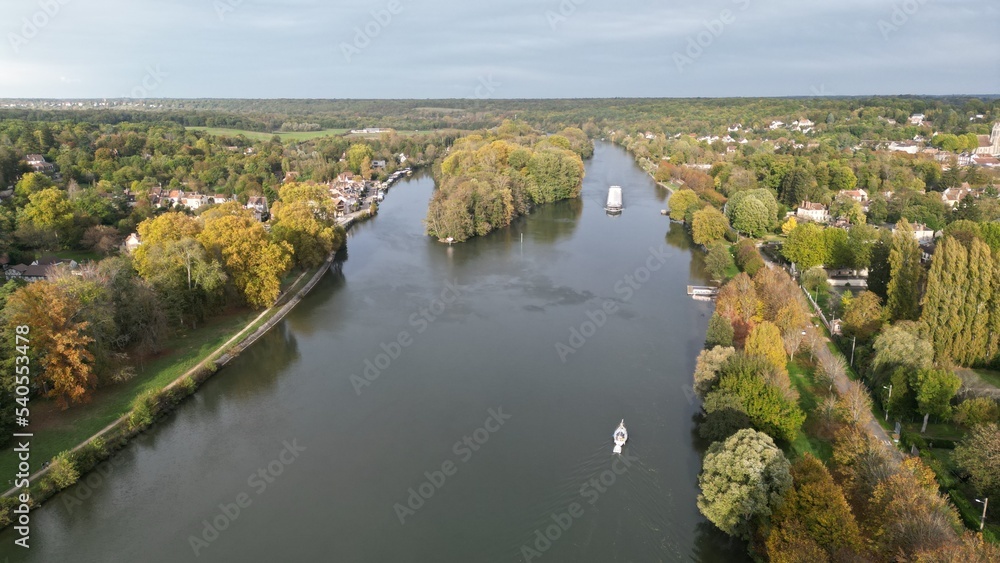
501	49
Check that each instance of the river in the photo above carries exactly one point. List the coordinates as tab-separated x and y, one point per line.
486	376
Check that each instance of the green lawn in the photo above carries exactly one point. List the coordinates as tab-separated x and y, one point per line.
260	136
56	431
801	376
79	255
989	376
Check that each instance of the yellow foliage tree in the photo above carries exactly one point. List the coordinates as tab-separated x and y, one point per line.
789	226
255	264
67	364
765	341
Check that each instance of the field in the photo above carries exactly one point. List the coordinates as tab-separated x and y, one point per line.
260	136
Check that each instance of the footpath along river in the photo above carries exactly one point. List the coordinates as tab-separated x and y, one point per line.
435	403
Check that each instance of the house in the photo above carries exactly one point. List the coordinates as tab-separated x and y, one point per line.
810	211
38	164
920	232
909	147
219	199
37	270
979	160
776	125
193	201
917	119
378	164
401	158
860	196
927	251
952	196
258	204
131	243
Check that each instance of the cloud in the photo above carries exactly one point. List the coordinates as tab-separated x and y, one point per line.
441	48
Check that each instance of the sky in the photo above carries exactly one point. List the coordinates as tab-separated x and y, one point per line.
498	49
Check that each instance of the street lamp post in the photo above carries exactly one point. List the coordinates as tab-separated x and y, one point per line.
982	521
887	401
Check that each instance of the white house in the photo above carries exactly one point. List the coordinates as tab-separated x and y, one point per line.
917	119
810	211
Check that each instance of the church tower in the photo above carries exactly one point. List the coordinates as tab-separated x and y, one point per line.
995	139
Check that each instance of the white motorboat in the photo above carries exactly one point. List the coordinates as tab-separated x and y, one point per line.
620	437
614	204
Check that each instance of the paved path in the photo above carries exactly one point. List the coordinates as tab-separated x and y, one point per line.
224	358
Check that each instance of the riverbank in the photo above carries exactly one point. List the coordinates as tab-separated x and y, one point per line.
67	464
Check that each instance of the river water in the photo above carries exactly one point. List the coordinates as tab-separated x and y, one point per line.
435	403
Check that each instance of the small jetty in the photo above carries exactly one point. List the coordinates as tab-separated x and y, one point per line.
614	204
702	291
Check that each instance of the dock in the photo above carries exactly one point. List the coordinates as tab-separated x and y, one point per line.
702	291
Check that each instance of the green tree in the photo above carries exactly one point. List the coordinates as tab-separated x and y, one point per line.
720	331
680	202
905	274
708	225
935	388
768	408
977	410
718	261
356	155
806	246
743	478
724	416
753	212
902	345
49	210
706	371
979	456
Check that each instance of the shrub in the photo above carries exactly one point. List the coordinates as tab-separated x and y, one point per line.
63	471
979	410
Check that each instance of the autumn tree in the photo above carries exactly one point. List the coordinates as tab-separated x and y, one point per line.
814	507
863	315
743	478
57	337
49	210
254	263
902	345
765	341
